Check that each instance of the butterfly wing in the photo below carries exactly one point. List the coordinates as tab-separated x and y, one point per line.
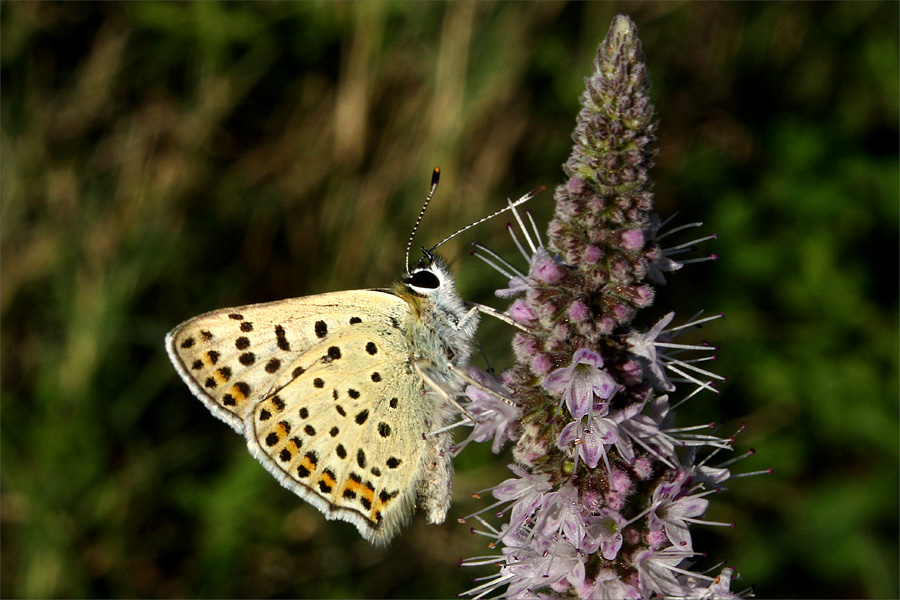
325	390
347	433
231	357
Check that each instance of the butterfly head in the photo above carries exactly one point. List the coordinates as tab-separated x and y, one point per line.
430	284
430	276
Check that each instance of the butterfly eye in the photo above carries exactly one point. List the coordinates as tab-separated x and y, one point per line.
424	280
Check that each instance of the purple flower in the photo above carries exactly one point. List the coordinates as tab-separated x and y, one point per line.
644	429
642	345
542	563
604	533
660	262
604	493
561	513
719	588
591	440
521	312
672	513
495	417
657	571
581	381
526	491
608	585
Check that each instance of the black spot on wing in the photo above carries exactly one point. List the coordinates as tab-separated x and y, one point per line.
281	339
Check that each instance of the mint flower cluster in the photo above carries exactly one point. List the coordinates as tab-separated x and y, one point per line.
604	488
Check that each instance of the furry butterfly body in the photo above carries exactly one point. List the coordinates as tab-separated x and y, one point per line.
341	395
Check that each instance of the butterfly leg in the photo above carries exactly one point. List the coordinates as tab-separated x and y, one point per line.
474	382
492	312
440	391
472	312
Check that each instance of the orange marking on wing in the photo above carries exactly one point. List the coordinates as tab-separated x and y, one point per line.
327	479
308	464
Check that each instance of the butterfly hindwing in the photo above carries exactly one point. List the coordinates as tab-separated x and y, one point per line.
346	432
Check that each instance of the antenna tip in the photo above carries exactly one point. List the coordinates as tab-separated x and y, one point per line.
435	175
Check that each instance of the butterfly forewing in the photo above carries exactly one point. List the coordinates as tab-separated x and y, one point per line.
340	430
231	357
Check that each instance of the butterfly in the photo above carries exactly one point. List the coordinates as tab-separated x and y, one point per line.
344	397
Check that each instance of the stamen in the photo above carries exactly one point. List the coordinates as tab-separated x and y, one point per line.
534	229
699	260
752	473
512	233
692	243
693	324
504	267
687	365
682	346
491	264
660	236
688	397
689	378
524	229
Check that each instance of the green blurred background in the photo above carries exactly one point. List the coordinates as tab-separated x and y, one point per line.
164	159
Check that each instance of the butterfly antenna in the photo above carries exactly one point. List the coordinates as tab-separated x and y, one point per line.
509	206
435	177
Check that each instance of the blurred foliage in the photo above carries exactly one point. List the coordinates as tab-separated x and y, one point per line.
163	159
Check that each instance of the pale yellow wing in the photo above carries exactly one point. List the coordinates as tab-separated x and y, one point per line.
231	357
325	391
347	432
